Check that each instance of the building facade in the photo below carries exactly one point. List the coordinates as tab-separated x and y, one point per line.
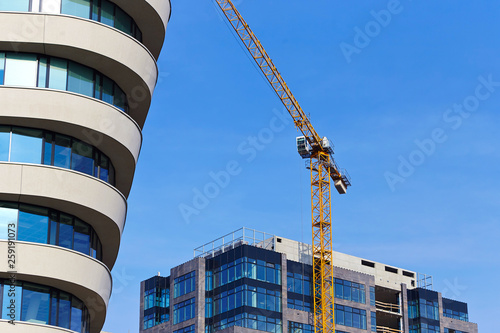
76	82
248	280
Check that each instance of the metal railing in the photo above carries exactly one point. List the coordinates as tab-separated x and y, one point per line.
391	307
236	238
382	329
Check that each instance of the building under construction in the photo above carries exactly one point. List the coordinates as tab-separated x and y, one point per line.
249	280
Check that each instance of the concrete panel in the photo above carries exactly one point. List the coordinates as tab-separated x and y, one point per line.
105	127
23	327
85	197
68	270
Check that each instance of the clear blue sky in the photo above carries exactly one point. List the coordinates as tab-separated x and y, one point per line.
412	108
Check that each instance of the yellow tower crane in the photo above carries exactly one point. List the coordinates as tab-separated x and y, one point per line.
321	164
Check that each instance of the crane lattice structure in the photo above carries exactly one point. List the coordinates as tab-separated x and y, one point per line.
321	165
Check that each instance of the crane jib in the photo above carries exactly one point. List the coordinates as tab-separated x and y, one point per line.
322	166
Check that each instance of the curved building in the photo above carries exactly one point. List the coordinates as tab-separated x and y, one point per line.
76	81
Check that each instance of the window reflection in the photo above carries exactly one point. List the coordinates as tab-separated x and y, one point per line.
102	11
24	145
31	70
47	226
36	304
18	5
44	305
21	69
33	224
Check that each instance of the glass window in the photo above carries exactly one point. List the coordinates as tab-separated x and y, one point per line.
80	8
18	5
36	304
4	143
107	90
11	297
123	21
81	158
66	231
120	99
62	151
95	10
64	310
8	215
26	145
82	237
107	13
21	70
98	86
81	79
33	224
58	74
76	315
42	72
53	232
47	149
2	63
104	168
53	307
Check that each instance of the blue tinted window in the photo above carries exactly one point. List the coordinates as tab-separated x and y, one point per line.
184	284
66	231
36	304
26	145
15	5
104	168
76	315
95	10
98	86
64	310
123	22
8	215
11	297
82	237
21	70
81	79
81	158
107	13
352	317
42	73
47	149
53	232
107	90
120	100
33	225
4	143
184	311
58	74
350	291
80	8
62	151
53	308
2	65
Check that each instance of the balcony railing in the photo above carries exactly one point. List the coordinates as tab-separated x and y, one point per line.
387	307
382	329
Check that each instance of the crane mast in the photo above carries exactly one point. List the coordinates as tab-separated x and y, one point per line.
322	167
